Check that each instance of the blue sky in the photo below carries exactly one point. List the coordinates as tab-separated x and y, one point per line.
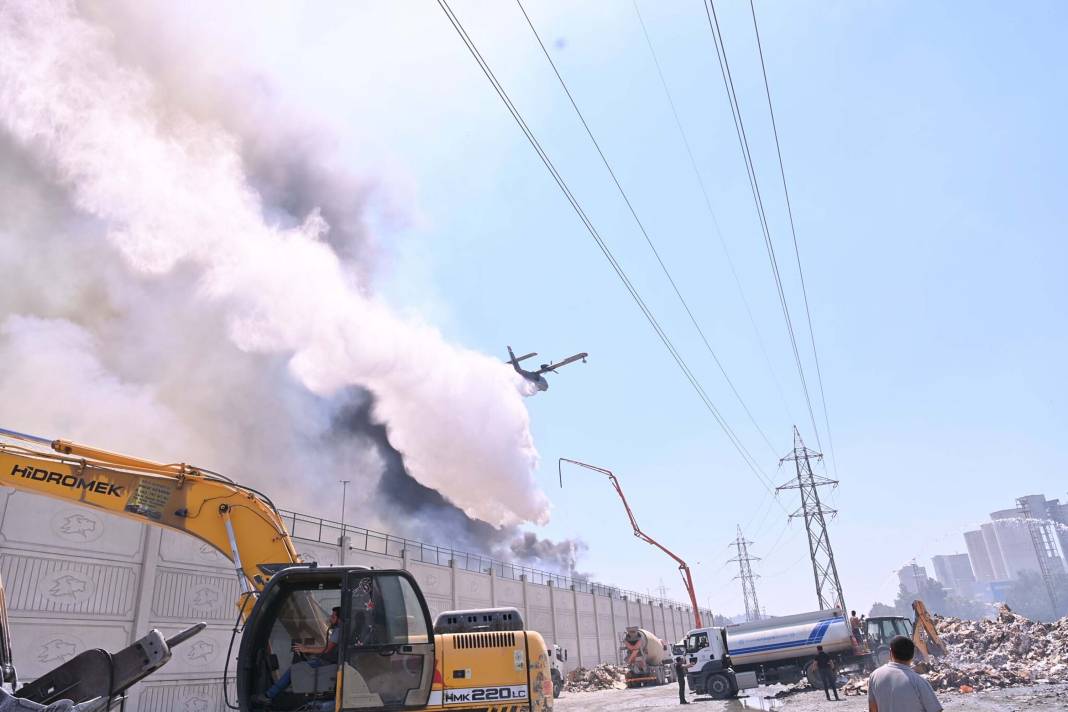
924	150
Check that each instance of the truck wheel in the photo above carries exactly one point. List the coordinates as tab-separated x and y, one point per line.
718	687
558	683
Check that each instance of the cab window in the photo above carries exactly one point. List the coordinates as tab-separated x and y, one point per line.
389	655
696	642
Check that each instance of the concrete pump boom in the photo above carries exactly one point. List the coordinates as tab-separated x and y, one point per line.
239	522
687	579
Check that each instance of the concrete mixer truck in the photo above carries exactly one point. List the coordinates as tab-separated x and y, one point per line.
647	658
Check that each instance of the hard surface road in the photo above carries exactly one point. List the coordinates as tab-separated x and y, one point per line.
1045	698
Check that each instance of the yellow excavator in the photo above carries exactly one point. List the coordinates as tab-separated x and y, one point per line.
386	655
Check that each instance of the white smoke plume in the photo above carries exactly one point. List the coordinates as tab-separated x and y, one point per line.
161	297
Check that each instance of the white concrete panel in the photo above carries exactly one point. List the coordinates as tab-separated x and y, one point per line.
204	695
563	599
509	593
565	626
39	644
474	588
354	557
180	595
39	583
39	523
322	554
537	596
541	620
201	656
178	548
433	580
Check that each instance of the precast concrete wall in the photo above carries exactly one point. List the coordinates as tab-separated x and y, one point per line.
78	579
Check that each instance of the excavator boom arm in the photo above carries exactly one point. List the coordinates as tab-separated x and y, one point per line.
235	520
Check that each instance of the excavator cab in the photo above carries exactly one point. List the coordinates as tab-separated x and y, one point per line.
384	655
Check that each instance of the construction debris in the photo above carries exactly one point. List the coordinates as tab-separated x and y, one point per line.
602	677
1005	652
1010	650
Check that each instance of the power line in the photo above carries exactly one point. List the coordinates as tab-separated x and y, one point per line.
708	205
753	465
641	227
793	232
754	185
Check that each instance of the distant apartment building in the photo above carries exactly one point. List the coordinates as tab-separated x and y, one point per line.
1004	547
954	572
912	577
1014	539
979	556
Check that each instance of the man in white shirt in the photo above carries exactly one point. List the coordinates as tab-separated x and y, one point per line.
896	687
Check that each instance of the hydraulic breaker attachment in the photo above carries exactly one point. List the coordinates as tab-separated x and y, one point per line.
100	674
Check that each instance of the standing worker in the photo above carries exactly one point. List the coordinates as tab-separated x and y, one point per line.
680	673
828	676
896	687
856	625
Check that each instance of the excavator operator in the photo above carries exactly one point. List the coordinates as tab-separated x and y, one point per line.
325	655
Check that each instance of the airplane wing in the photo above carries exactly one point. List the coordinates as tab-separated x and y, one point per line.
570	359
524	357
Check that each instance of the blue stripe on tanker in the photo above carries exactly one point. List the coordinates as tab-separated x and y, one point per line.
814	638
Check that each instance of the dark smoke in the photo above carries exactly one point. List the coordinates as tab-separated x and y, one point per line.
422	513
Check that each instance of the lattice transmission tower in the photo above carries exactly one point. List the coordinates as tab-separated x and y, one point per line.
745	572
1045	550
813	511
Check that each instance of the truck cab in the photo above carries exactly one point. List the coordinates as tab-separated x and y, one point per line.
559	657
708	663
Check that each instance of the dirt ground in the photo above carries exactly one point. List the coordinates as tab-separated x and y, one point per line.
1048	698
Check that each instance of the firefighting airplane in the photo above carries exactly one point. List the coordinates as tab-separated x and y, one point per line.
536	377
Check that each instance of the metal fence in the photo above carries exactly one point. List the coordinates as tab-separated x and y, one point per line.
325	531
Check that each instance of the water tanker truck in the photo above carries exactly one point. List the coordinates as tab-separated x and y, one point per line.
775	650
647	658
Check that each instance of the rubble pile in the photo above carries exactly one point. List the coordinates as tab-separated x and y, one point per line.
856	685
1009	650
602	677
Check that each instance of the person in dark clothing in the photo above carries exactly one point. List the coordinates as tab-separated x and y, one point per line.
680	674
825	668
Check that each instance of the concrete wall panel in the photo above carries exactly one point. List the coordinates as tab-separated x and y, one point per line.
39	583
203	696
509	593
180	595
42	524
41	644
183	550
